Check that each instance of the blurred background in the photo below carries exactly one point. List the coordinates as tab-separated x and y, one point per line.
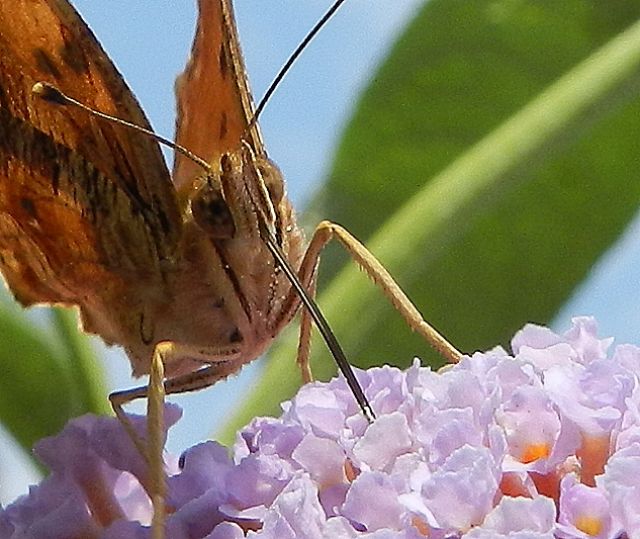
302	127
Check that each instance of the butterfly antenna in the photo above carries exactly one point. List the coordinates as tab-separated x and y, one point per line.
294	56
52	94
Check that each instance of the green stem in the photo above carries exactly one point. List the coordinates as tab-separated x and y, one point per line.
593	86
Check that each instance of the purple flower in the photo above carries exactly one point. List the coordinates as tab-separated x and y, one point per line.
544	443
518	518
97	479
584	511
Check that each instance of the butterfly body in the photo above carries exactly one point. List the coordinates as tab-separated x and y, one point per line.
89	215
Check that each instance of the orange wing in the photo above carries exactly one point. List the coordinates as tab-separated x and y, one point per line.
83	203
214	101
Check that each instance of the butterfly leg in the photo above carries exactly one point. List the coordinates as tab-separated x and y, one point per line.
155	434
304	339
155	392
163	353
324	233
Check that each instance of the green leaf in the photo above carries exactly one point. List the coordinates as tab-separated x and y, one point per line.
492	189
88	377
47	377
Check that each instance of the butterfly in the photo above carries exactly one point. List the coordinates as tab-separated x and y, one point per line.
201	268
90	215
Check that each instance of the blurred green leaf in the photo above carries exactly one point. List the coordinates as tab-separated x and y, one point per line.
489	208
86	372
47	376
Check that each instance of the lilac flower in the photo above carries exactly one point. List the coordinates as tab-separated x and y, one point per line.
584	511
544	443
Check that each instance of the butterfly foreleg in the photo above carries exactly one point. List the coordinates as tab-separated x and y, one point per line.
324	233
165	352
155	435
152	448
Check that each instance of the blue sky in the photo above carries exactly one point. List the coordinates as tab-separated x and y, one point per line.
149	42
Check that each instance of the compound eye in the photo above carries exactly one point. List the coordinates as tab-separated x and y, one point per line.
272	178
211	213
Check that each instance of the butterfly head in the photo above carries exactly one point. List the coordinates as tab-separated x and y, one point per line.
246	190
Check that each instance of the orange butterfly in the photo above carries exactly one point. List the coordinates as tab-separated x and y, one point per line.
199	270
89	215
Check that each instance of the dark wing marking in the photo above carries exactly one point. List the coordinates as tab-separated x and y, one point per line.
84	205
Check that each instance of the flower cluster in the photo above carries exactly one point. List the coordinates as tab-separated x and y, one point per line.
544	443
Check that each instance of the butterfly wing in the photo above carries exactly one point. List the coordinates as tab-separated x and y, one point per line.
214	101
85	205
